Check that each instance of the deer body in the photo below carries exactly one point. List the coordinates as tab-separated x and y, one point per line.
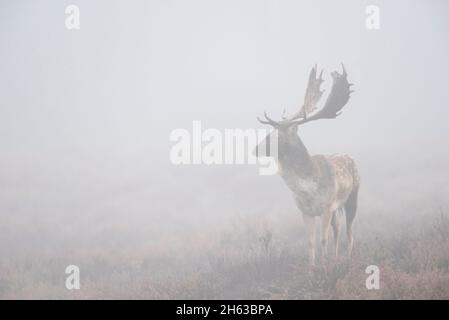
327	185
321	185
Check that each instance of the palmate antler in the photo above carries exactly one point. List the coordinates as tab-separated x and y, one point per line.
312	96
337	99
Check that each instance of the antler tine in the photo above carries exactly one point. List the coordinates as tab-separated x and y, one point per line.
344	74
269	120
262	121
272	122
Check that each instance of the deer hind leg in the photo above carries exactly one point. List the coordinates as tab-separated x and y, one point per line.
350	210
335	222
309	223
325	226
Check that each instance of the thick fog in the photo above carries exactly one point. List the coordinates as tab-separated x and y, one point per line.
86	117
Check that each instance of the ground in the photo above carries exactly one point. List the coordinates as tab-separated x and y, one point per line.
247	261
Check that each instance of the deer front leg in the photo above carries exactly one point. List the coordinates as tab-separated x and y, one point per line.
325	226
309	223
335	222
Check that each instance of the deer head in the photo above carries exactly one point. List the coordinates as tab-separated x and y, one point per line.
285	130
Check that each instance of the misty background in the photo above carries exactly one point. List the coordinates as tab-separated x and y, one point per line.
85	115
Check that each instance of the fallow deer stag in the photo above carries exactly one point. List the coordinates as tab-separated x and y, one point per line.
322	185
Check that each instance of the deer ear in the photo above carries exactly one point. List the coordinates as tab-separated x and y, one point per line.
263	148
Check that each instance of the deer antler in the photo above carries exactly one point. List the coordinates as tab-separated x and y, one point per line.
337	99
312	96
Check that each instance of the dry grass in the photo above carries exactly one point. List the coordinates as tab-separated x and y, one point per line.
247	260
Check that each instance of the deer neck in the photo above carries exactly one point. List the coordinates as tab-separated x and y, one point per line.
294	159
